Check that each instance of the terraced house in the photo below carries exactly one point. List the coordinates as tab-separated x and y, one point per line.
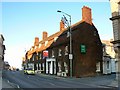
51	54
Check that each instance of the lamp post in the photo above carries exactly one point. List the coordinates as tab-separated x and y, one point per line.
70	33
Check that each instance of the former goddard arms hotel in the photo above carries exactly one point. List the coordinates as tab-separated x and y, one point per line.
51	54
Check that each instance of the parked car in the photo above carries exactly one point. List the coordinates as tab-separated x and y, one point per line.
29	71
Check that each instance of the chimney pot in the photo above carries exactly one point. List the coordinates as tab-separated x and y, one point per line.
45	35
36	43
62	26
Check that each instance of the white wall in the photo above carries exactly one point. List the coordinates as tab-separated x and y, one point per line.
107	65
113	65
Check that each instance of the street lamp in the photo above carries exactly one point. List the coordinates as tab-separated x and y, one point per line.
70	53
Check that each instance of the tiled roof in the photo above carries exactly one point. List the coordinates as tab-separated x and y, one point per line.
50	40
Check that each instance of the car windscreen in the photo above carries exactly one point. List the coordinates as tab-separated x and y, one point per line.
29	69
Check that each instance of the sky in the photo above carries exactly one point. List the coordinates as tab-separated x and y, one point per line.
23	21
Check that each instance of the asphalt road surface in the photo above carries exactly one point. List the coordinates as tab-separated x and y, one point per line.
40	81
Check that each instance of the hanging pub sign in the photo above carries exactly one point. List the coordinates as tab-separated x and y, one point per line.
45	53
83	48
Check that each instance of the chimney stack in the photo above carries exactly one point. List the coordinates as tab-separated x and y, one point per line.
36	43
86	14
45	34
62	26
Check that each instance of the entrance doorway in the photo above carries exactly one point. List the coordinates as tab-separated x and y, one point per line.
50	66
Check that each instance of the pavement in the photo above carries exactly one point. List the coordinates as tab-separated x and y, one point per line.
5	84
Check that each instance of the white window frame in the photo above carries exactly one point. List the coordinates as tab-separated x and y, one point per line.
66	50
55	39
46	42
98	67
66	67
53	54
59	52
39	45
40	56
59	66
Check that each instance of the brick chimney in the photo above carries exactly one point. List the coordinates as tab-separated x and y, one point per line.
62	26
45	34
86	14
36	43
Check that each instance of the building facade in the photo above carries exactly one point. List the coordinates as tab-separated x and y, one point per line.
2	49
51	54
109	59
115	11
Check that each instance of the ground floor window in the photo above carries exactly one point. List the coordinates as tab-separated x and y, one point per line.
108	64
66	67
98	67
59	67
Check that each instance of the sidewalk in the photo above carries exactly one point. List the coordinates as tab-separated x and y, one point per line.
6	84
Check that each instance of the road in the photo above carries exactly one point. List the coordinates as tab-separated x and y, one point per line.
41	81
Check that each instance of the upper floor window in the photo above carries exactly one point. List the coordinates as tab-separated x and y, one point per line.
53	54
95	33
60	52
66	50
40	56
33	58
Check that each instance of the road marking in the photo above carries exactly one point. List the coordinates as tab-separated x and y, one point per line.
18	86
13	84
52	84
8	81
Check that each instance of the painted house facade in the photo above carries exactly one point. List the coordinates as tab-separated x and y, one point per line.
109	57
51	54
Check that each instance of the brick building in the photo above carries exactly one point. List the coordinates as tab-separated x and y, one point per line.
51	54
2	50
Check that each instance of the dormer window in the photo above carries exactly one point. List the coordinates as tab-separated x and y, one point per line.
32	49
46	42
60	52
55	39
39	45
35	47
66	50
